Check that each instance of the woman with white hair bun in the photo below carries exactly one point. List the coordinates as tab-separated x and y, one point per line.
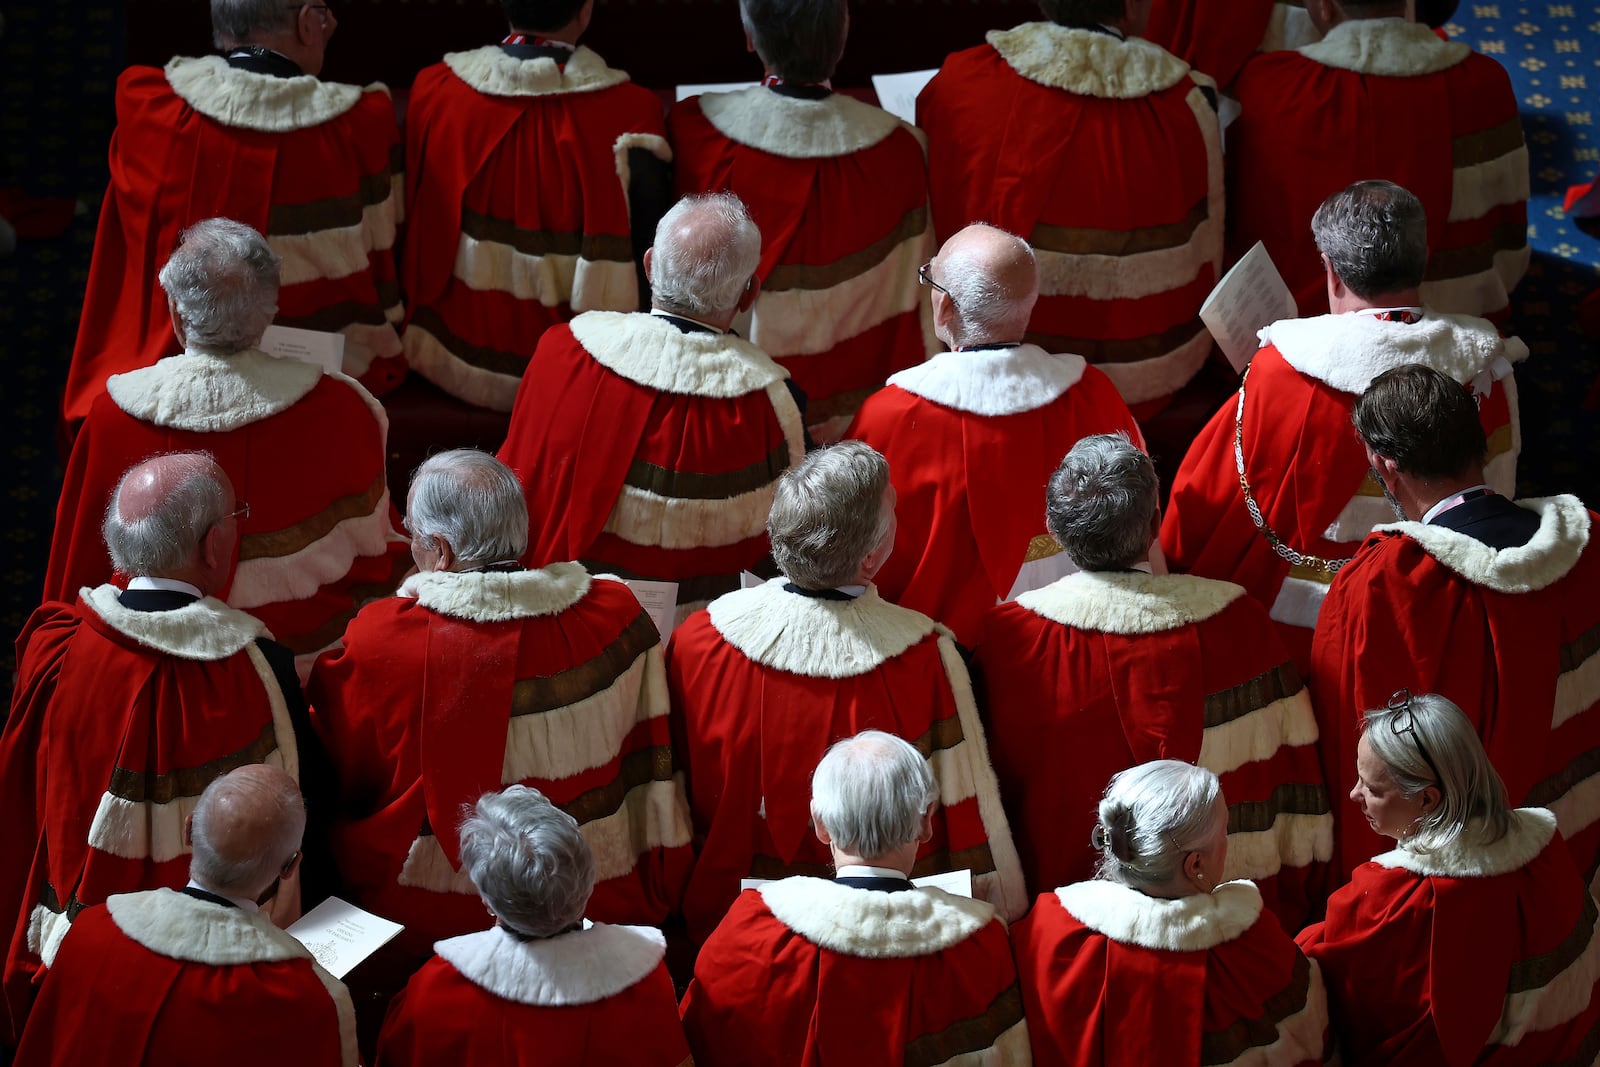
1473	940
1153	961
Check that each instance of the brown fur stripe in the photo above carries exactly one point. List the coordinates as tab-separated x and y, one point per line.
595	247
481	356
1089	241
275	544
1290	798
968	1035
693	485
1449	263
533	696
1471	149
1133	350
333	213
139	787
1279	683
1225	1046
826	275
1536	972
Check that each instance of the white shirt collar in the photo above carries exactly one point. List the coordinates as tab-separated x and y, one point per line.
244	903
1449	502
856	870
171	585
686	318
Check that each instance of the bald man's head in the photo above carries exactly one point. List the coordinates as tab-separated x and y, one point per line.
706	251
245	830
161	514
992	283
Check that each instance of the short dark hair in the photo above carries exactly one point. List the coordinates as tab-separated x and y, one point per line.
1082	12
1375	234
801	40
1426	422
540	14
1100	501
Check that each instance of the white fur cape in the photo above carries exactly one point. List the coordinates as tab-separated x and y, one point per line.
1348	351
993	382
262	102
794	128
1470	857
493	72
1089	63
582	967
493	596
1390	47
206	630
1562	536
206	393
651	351
1187	924
873	924
1130	604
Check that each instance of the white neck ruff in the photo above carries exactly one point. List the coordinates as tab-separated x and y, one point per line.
206	393
1390	47
873	924
262	102
1130	604
1470	857
1562	536
582	967
1348	351
205	630
1187	924
993	382
651	351
499	596
794	128
1089	63
180	927
813	637
494	72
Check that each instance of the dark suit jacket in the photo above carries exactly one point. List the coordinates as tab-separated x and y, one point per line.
1492	519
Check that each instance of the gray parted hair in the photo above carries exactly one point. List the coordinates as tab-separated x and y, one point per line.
986	312
871	791
235	21
225	799
827	514
1375	234
801	40
474	502
1151	817
529	861
1471	793
1100	501
706	250
168	537
223	283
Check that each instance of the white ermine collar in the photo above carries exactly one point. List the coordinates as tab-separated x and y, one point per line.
180	927
582	967
653	352
813	637
1348	351
873	924
263	102
494	72
993	382
1390	47
796	128
1561	538
206	630
209	394
498	596
1470	857
1088	63
1187	924
1118	603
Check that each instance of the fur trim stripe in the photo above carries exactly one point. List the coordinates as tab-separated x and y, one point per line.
1130	604
584	282
46	928
873	925
1187	924
1578	806
1299	601
204	393
993	383
1577	687
1259	735
325	255
1159	376
1294	840
641	517
434	360
816	638
654	353
1348	351
499	597
1556	998
205	631
1479	188
586	733
1531	830
1561	538
301	574
259	101
582	967
491	71
1392	48
836	125
1300	1037
146	830
997	1035
1087	63
1487	290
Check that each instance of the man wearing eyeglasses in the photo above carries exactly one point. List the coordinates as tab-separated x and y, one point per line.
250	135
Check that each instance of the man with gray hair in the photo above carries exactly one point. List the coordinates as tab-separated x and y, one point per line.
765	678
840	191
127	703
1119	667
250	135
305	448
1275	493
648	445
921	970
159	975
973	434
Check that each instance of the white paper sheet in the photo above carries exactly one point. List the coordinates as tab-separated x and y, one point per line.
341	935
326	350
660	600
897	93
956	883
686	91
1249	297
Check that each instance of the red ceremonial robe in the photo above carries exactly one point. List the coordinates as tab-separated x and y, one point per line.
1106	156
304	449
119	720
805	972
517	198
312	165
590	998
840	191
764	680
650	452
1306	467
972	439
161	977
1474	953
465	683
1121	669
1113	977
1508	635
1216	37
1461	152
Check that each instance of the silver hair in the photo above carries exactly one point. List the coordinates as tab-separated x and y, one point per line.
529	861
1151	817
828	514
1375	234
474	502
234	22
227	801
871	791
985	310
1471	792
707	249
168	537
1100	501
801	40
223	283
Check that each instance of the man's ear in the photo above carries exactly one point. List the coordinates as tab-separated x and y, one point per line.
927	826
303	29
211	548
752	289
649	254
188	829
820	830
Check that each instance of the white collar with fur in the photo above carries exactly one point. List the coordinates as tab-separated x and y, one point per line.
206	630
1390	47
993	382
180	927
582	967
498	596
1469	857
650	350
1117	603
206	393
788	126
873	924
817	638
1188	924
1088	63
254	101
493	72
1348	351
1562	536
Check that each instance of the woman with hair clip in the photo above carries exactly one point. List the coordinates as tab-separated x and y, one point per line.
1153	961
1473	940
